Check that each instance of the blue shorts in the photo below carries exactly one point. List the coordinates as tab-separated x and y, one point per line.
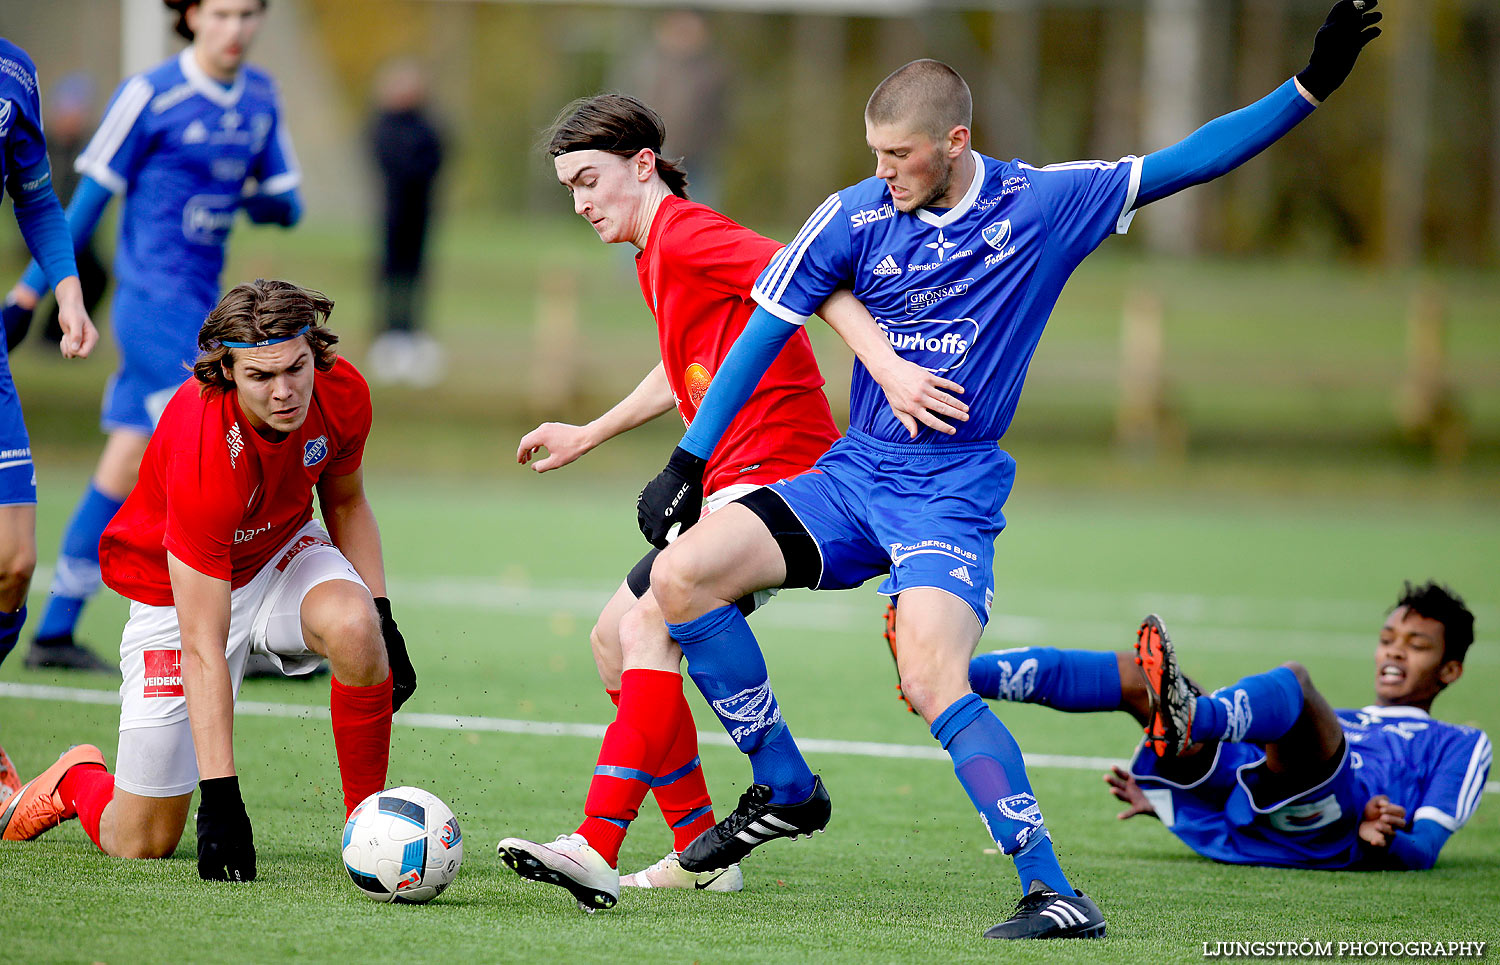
925	516
158	345
17	473
1234	814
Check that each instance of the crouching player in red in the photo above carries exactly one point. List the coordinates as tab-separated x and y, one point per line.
219	554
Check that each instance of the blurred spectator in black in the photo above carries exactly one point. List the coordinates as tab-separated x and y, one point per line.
70	123
408	151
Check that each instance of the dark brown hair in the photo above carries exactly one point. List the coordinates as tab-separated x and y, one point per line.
256	311
181	7
928	95
1436	602
617	124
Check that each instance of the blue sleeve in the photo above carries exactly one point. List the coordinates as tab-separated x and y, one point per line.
275	164
121	144
1457	783
1417	850
1223	144
801	276
42	224
738	375
1084	202
87	207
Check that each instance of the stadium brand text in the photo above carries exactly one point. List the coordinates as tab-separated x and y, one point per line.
861	218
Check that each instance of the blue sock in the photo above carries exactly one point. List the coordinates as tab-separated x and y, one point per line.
988	763
77	575
10	629
1258	709
1072	680
725	662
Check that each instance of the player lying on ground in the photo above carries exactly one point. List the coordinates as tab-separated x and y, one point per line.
219	554
26	176
189	144
961	258
1264	771
696	267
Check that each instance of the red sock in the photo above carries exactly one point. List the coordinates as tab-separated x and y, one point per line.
680	791
614	696
85	790
634	745
361	738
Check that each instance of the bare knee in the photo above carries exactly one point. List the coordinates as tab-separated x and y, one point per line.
675	581
157	844
644	639
1304	679
605	642
343	626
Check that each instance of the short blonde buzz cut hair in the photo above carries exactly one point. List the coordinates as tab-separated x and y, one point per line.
927	95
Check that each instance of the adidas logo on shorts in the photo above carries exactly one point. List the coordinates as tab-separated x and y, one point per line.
961	573
887	266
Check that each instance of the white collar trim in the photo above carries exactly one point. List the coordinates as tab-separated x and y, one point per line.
964	204
206	85
1378	711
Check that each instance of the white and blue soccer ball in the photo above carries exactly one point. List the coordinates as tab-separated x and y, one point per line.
403	845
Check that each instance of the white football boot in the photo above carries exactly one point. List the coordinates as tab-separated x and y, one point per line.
569	862
669	873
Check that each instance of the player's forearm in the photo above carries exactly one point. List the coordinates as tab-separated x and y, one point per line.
85	209
202	605
43	224
648	400
849	318
1223	144
738	375
353	529
1417	849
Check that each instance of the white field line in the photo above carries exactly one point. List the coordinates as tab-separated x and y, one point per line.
501	725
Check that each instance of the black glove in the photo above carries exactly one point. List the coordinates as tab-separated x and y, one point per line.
1350	25
17	323
403	675
226	847
674	496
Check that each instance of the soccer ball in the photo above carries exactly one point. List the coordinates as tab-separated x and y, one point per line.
402	844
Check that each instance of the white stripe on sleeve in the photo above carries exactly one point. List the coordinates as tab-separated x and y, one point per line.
116	126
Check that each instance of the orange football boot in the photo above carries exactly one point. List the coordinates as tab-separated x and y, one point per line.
10	781
890	641
36	807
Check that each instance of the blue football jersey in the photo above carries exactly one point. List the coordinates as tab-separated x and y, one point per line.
963	292
183	148
22	146
1434	769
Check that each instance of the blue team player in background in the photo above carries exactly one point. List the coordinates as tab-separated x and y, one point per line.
27	178
1265	771
189	144
961	258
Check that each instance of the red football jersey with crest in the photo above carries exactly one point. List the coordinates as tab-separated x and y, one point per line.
222	498
696	272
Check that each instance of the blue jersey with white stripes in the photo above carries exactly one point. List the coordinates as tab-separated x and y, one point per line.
963	292
184	149
1434	769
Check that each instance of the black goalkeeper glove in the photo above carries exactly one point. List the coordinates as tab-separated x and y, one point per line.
17	323
674	496
403	674
1350	25
226	847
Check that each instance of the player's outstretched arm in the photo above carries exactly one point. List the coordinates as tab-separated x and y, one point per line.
565	443
915	395
675	496
1123	786
226	847
1225	143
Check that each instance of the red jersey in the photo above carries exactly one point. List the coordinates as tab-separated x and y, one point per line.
696	272
220	497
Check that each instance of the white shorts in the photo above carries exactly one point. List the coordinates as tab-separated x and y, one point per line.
156	757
